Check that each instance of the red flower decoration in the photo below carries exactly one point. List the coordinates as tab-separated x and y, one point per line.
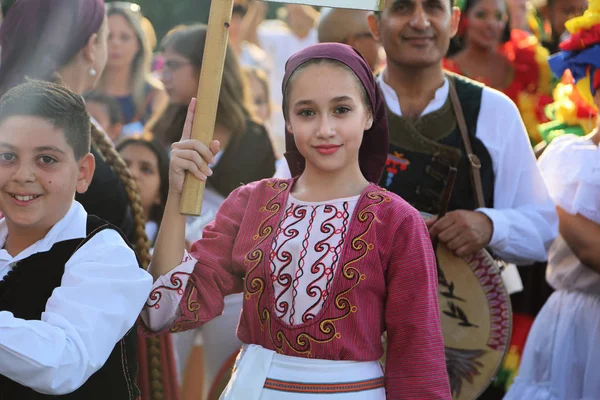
582	39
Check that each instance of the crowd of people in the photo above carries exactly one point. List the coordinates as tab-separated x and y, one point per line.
351	149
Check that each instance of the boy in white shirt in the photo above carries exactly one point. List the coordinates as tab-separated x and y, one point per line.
71	288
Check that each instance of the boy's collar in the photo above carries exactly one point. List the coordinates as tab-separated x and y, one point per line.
71	226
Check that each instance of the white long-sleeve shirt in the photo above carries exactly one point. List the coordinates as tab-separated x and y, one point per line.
524	216
101	294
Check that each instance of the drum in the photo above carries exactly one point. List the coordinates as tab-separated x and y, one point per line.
476	319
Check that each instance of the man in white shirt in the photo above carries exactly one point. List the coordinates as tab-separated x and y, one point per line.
518	221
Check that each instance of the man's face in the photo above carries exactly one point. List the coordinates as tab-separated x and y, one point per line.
560	11
415	33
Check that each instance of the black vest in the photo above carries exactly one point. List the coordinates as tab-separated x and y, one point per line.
423	150
25	292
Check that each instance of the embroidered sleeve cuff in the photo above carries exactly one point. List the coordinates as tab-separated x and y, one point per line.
162	306
500	228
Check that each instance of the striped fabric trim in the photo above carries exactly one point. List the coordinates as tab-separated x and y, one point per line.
303	387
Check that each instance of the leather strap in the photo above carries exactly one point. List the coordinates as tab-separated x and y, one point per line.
473	159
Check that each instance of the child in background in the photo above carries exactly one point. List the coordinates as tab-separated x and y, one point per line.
71	287
107	112
148	162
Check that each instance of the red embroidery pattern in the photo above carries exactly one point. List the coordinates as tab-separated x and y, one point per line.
322	244
156	294
255	285
496	297
284	258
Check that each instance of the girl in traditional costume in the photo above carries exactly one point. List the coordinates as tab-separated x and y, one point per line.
561	357
327	260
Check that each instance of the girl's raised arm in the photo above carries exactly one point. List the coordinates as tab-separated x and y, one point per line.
186	155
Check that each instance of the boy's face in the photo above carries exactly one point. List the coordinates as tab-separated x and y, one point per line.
39	174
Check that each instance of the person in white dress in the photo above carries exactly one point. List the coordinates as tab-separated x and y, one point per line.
561	359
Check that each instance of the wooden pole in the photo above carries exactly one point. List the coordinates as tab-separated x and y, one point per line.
209	87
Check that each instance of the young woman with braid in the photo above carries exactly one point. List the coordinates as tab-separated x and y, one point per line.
66	41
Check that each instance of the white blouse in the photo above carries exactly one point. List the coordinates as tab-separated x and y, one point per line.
571	170
305	253
101	294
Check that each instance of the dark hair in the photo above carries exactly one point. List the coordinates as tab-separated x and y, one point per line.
457	43
114	109
452	4
54	103
235	103
318	61
162	156
38	37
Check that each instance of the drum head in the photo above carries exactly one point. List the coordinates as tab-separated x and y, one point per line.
476	320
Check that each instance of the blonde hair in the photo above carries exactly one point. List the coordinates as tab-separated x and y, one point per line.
141	75
263	79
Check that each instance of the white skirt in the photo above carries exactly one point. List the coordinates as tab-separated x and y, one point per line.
561	360
262	374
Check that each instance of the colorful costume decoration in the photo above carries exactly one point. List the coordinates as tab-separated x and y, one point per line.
530	85
569	114
573	110
581	52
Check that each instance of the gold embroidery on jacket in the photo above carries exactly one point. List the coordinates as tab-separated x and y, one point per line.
303	343
192	306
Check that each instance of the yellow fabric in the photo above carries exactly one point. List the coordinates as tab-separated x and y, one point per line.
527	104
545	73
589	18
583	87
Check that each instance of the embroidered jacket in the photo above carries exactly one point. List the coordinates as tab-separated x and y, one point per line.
386	279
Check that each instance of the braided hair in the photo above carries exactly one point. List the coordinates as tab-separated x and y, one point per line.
114	160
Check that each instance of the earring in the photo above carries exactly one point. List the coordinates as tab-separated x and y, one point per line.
93	71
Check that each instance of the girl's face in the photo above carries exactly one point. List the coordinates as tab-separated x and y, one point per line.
262	108
180	77
143	164
486	23
327	116
123	44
